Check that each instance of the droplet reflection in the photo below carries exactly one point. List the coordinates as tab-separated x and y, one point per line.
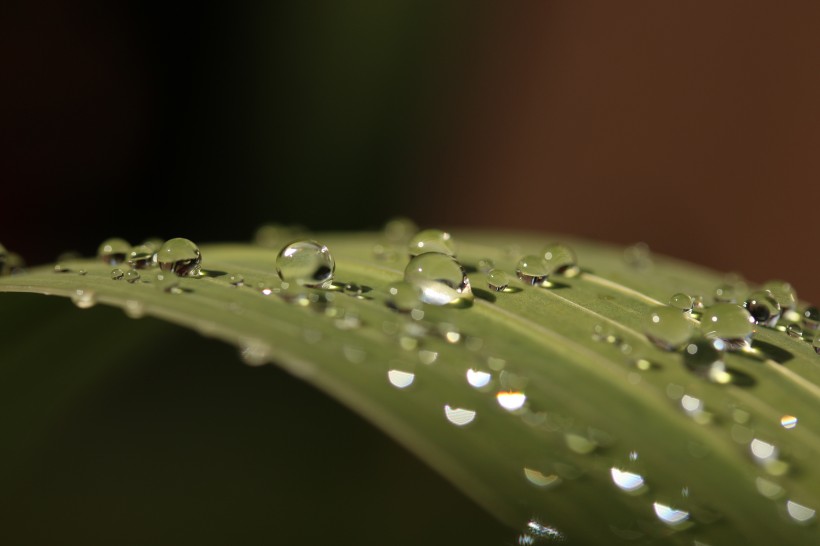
477	378
669	515
459	416
511	401
400	379
627	481
799	513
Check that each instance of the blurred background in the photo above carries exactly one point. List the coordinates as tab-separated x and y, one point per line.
690	126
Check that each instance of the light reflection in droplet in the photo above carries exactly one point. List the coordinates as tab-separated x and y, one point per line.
536	530
400	379
763	451
459	416
690	404
626	481
799	512
478	378
540	479
669	515
768	488
788	421
511	401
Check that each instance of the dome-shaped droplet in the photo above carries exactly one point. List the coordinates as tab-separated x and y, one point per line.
560	259
728	322
400	230
440	278
132	276
307	263
728	293
167	282
141	256
13	264
682	301
432	240
816	344
638	256
84	298
794	330
485	265
497	280
117	274
704	357
113	251
236	279
784	294
404	297
532	269
810	317
763	307
180	256
667	328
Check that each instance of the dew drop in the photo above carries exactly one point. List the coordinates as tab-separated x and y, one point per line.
134	309
497	280
816	343
682	301
404	297
113	251
511	400
532	270
668	515
794	331
180	256
432	240
400	379
83	298
440	278
763	307
485	265
667	328
167	282
728	322
800	513
560	259
117	274
788	421
704	357
810	317
459	416
727	293
784	294
132	276
400	230
627	481
306	263
236	280
141	256
478	379
353	290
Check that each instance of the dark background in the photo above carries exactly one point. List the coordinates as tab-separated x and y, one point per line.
692	126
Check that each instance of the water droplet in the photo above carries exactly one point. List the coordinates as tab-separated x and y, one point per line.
306	263
449	332
180	256
486	265
682	301
816	343
510	400
141	256
113	251
478	379
459	416
638	256
763	308
729	322
432	240
560	259
667	328
117	274
799	512
497	280
440	278
627	481
404	297
399	230
788	421
167	282
540	479
532	270
401	379
811	318
784	294
272	235
728	293
704	357
669	515
254	352
132	276
353	290
11	263
83	298
763	451
82	272
236	279
794	331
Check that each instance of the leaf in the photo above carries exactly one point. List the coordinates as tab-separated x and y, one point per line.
592	415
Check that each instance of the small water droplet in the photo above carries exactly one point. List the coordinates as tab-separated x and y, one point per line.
682	301
794	331
427	356
83	298
799	513
432	240
540	479
667	328
728	322
236	280
440	278
141	256
400	230
353	290
404	297
638	256
459	416
478	379
511	400
784	294
82	272
668	515
560	259
788	421
627	481
704	357
497	280
401	379
61	268
728	293
532	270
579	444
117	274
763	308
816	343
132	276
485	265
180	256
306	263
113	251
810	317
167	282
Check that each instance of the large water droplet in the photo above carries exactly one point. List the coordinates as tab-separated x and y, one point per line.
180	256
668	515
763	307
667	328
307	263
132	276
784	294
497	280
141	256
627	481
440	278
560	259
459	416
113	251
432	240
704	357
84	298
532	269
728	322
810	317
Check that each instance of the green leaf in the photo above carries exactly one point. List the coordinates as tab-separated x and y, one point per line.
595	412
